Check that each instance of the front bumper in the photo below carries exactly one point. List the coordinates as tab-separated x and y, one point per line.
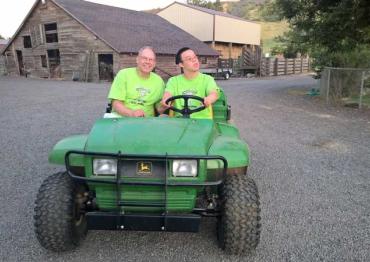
143	222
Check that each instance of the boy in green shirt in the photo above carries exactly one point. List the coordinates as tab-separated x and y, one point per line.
191	82
135	91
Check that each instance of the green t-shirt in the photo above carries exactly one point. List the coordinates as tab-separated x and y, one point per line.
135	92
200	86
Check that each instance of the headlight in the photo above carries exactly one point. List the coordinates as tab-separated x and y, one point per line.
185	168
105	166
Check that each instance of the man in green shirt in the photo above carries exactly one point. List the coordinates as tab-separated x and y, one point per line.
136	91
191	82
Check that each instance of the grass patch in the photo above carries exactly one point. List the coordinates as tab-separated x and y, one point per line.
355	100
298	92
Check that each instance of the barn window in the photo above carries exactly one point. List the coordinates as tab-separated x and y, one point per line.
43	61
27	41
54	56
51	34
203	60
51	27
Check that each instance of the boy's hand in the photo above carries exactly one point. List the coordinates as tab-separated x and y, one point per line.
210	99
164	99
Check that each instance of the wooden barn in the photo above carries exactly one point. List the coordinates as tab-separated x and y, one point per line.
3	44
225	33
80	40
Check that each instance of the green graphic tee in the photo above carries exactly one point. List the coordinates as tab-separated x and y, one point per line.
200	86
135	92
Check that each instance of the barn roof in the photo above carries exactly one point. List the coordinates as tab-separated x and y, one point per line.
3	43
127	30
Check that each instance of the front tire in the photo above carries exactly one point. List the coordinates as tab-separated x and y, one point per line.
239	227
59	223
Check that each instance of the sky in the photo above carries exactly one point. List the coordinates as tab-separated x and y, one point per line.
12	12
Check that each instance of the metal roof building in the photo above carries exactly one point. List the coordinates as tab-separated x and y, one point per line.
223	32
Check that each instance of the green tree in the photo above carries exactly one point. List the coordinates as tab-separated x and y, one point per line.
217	6
326	28
267	11
201	3
206	4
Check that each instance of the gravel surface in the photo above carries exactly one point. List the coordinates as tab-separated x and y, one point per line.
311	164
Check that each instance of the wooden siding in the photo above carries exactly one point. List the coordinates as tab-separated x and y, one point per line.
78	47
195	22
226	52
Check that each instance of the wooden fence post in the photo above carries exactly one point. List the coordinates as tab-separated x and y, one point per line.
301	64
276	66
286	66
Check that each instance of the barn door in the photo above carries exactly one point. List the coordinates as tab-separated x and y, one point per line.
105	62
54	63
20	62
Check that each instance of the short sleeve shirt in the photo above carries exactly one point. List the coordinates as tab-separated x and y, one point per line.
136	92
200	86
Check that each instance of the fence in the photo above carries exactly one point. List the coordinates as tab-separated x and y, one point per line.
346	86
283	66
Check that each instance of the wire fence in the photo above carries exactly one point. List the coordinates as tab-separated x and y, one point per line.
346	86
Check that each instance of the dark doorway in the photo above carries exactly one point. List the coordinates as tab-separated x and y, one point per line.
105	62
20	62
54	63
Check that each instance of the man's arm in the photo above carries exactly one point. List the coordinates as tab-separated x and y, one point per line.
117	95
120	108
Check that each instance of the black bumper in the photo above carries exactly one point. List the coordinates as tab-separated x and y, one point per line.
143	222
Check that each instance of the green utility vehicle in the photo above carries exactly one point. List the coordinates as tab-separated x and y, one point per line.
151	174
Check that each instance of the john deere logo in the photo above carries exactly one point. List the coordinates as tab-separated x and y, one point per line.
144	167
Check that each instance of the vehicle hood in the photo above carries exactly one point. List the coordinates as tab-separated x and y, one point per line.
154	136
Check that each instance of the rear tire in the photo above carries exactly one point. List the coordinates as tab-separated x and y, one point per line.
59	225
239	227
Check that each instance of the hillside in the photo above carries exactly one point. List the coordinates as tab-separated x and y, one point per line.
270	30
261	11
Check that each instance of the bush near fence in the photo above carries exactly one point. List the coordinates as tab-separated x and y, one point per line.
346	86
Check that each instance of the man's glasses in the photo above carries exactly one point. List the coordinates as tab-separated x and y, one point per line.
190	59
147	59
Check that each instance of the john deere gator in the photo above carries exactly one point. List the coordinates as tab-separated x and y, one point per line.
151	174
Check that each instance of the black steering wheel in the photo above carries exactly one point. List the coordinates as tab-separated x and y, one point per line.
186	111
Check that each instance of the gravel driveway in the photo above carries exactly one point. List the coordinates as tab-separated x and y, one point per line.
311	164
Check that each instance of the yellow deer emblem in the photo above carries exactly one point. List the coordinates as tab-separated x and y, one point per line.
144	167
